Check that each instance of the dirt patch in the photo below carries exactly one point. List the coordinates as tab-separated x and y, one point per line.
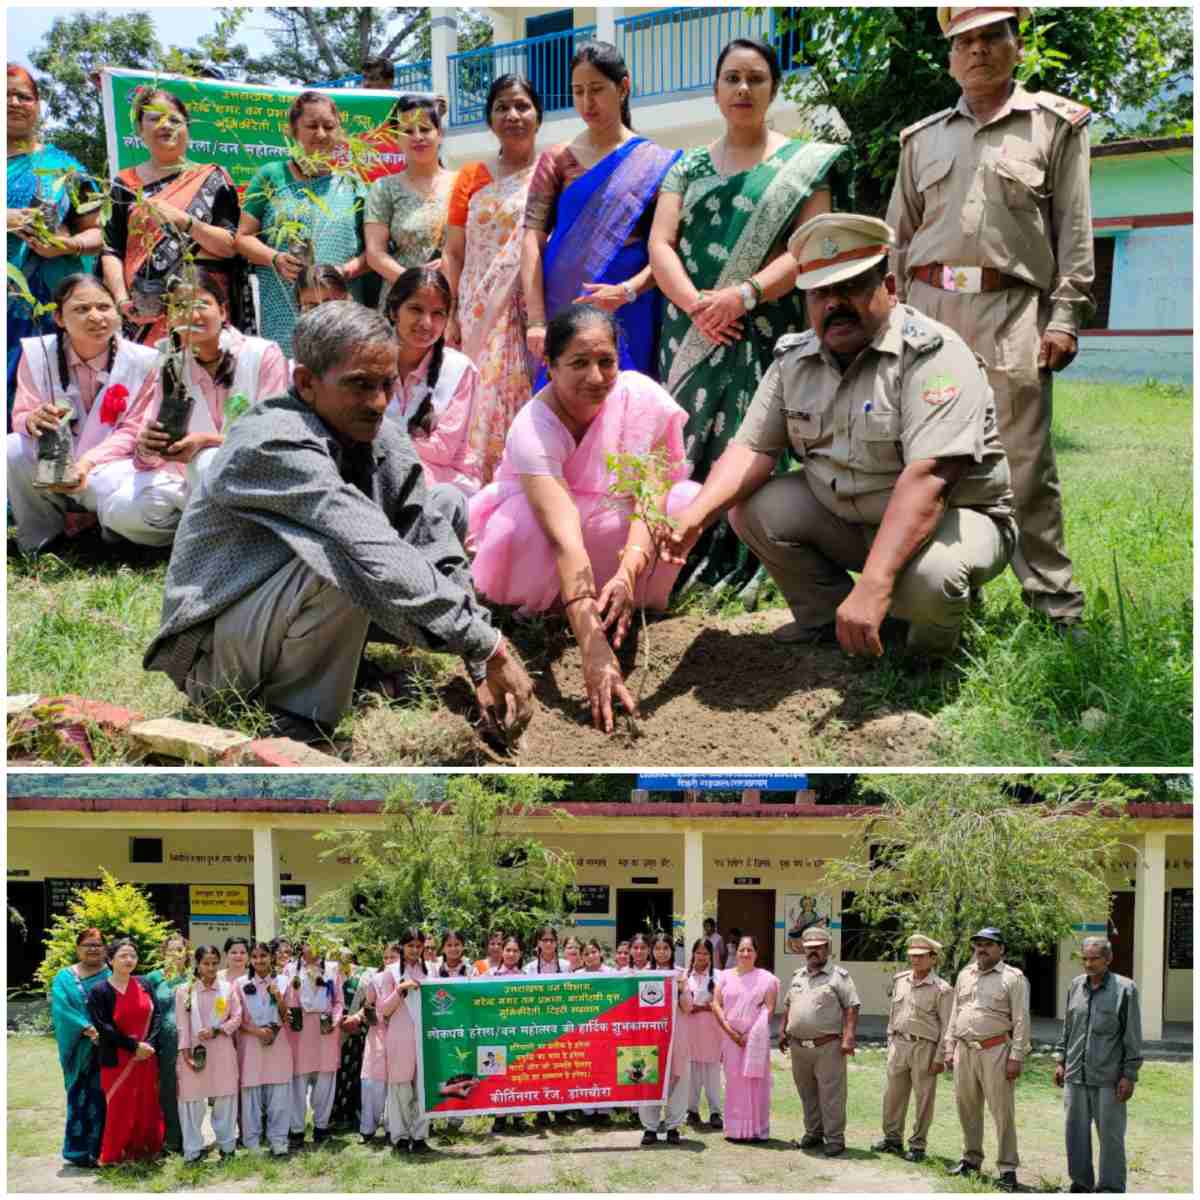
718	691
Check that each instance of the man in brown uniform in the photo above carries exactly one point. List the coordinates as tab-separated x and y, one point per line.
917	1027
820	1020
903	479
993	219
987	1042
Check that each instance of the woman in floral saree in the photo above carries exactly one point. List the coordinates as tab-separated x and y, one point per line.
482	263
724	215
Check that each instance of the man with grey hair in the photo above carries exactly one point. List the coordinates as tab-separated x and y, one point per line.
1098	1055
314	525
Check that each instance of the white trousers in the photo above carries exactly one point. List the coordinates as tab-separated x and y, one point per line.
146	507
272	1103
374	1106
322	1084
224	1123
707	1076
404	1119
39	514
658	1117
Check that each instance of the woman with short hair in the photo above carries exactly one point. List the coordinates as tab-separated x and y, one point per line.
164	209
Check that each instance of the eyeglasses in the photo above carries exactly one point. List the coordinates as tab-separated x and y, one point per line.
91	945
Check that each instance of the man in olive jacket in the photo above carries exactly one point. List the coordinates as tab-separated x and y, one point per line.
1098	1055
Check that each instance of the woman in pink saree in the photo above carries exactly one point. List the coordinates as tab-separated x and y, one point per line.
546	530
743	1002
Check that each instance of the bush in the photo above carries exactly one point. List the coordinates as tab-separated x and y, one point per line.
117	910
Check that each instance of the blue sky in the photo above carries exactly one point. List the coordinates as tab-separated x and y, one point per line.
177	25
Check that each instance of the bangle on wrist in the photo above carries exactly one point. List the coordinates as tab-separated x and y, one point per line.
575	599
631	293
758	288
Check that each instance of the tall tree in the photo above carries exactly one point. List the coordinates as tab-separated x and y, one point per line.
328	43
465	865
873	71
950	854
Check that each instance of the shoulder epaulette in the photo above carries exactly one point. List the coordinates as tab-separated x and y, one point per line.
905	134
1070	111
805	342
841	971
901	975
1016	969
918	333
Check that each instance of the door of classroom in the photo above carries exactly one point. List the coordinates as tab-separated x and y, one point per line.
1120	932
752	910
1042	972
644	910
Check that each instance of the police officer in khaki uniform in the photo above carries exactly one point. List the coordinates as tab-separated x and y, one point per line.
917	1027
987	1042
820	1020
993	218
903	478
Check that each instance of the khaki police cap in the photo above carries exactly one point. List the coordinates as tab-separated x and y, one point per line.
919	941
834	247
958	20
816	935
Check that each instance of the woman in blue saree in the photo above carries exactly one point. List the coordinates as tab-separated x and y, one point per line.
76	1037
38	172
588	217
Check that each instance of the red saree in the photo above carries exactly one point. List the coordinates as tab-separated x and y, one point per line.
134	1126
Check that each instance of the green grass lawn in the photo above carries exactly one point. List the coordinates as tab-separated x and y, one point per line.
1017	694
580	1158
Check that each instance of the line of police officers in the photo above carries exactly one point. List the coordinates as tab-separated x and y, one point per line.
919	401
980	1030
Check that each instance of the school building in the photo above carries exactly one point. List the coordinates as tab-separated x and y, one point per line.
221	865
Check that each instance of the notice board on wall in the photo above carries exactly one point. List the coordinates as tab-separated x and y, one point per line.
1179	935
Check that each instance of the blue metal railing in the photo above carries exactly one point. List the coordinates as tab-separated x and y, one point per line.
414	77
545	60
675	49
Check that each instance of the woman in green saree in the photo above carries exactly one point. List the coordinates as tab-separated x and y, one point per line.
300	212
163	982
718	250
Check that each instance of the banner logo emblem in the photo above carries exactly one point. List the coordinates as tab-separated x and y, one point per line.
652	993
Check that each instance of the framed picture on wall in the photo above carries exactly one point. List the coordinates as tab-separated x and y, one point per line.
801	913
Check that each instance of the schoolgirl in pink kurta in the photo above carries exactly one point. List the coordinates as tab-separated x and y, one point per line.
445	450
374	1063
748	1001
220	1074
401	1036
312	1050
258	1063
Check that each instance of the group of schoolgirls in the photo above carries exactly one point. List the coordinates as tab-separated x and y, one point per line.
132	477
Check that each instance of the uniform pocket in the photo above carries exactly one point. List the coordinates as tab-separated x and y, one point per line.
880	439
1021	183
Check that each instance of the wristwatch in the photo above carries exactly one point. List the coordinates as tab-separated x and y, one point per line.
630	292
749	296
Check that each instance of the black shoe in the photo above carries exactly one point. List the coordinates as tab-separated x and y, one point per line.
811	1140
649	1138
693	1119
964	1168
419	1146
366	1139
295	1141
224	1154
795	634
887	1146
673	1137
715	1122
286	724
1006	1181
1075	1187
833	1150
915	1156
321	1135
